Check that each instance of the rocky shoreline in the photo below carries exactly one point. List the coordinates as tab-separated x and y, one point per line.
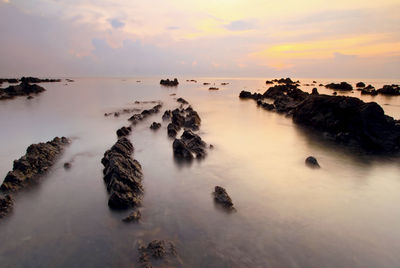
23	89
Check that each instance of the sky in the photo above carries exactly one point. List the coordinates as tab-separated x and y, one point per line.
234	38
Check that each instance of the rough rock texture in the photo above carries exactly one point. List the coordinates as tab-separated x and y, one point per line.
188	146
167	115
222	197
38	158
312	162
156	250
6	205
122	175
133	217
346	119
169	83
350	120
124	131
134	119
182	100
22	89
343	86
155	126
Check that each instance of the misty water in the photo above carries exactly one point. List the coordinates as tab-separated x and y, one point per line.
287	215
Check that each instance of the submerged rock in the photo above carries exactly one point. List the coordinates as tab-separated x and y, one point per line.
391	90
38	158
222	197
213	88
124	131
6	205
311	161
343	86
133	217
156	250
360	84
155	126
122	175
134	119
23	89
188	146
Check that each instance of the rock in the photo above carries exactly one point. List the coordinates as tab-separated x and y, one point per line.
311	161
67	165
29	97
38	80
169	83
247	95
343	86
124	131
360	84
122	175
365	124
23	89
190	144
266	106
6	205
133	217
391	90
134	119
181	150
155	126
9	80
38	158
156	250
172	130
213	88
334	93
222	197
167	115
182	100
314	91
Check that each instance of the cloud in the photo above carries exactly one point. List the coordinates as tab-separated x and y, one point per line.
240	25
116	23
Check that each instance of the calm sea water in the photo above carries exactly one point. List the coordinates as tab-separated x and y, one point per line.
343	215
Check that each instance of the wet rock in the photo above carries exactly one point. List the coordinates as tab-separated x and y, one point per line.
169	83
391	90
222	197
134	119
248	95
156	250
133	217
172	130
265	105
206	84
23	89
6	205
192	120
122	175
213	88
287	81
182	100
155	126
188	146
9	80
70	80
224	84
29	97
67	165
181	150
334	93
360	84
167	115
124	131
342	86
269	82
311	161
38	158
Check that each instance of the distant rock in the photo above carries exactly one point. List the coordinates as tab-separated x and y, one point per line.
37	160
188	146
134	119
182	100
213	88
360	84
6	205
169	83
222	197
23	89
311	161
124	131
342	86
155	126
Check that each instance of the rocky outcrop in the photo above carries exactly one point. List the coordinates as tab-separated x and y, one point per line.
213	88
134	216
169	83
312	162
342	86
156	250
38	80
222	197
124	131
360	84
23	89
190	145
391	90
6	205
122	175
134	119
37	160
248	95
9	80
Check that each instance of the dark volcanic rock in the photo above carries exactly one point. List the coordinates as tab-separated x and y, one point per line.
167	115
181	150
311	161
172	130
170	83
222	197
38	158
9	80
156	250
360	84
182	100
265	105
155	126
124	131
133	217
343	86
190	144
350	121
22	89
392	90
122	175
134	119
314	91
38	80
6	205
248	95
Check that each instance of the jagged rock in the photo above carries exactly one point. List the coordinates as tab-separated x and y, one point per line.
311	161
190	144
38	80
269	82
133	217
248	95
124	131
222	197
315	91
122	175
172	130
342	86
181	150
38	158
22	89
134	119
170	83
167	115
182	100
266	106
155	126
67	165
6	205
156	250
392	90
